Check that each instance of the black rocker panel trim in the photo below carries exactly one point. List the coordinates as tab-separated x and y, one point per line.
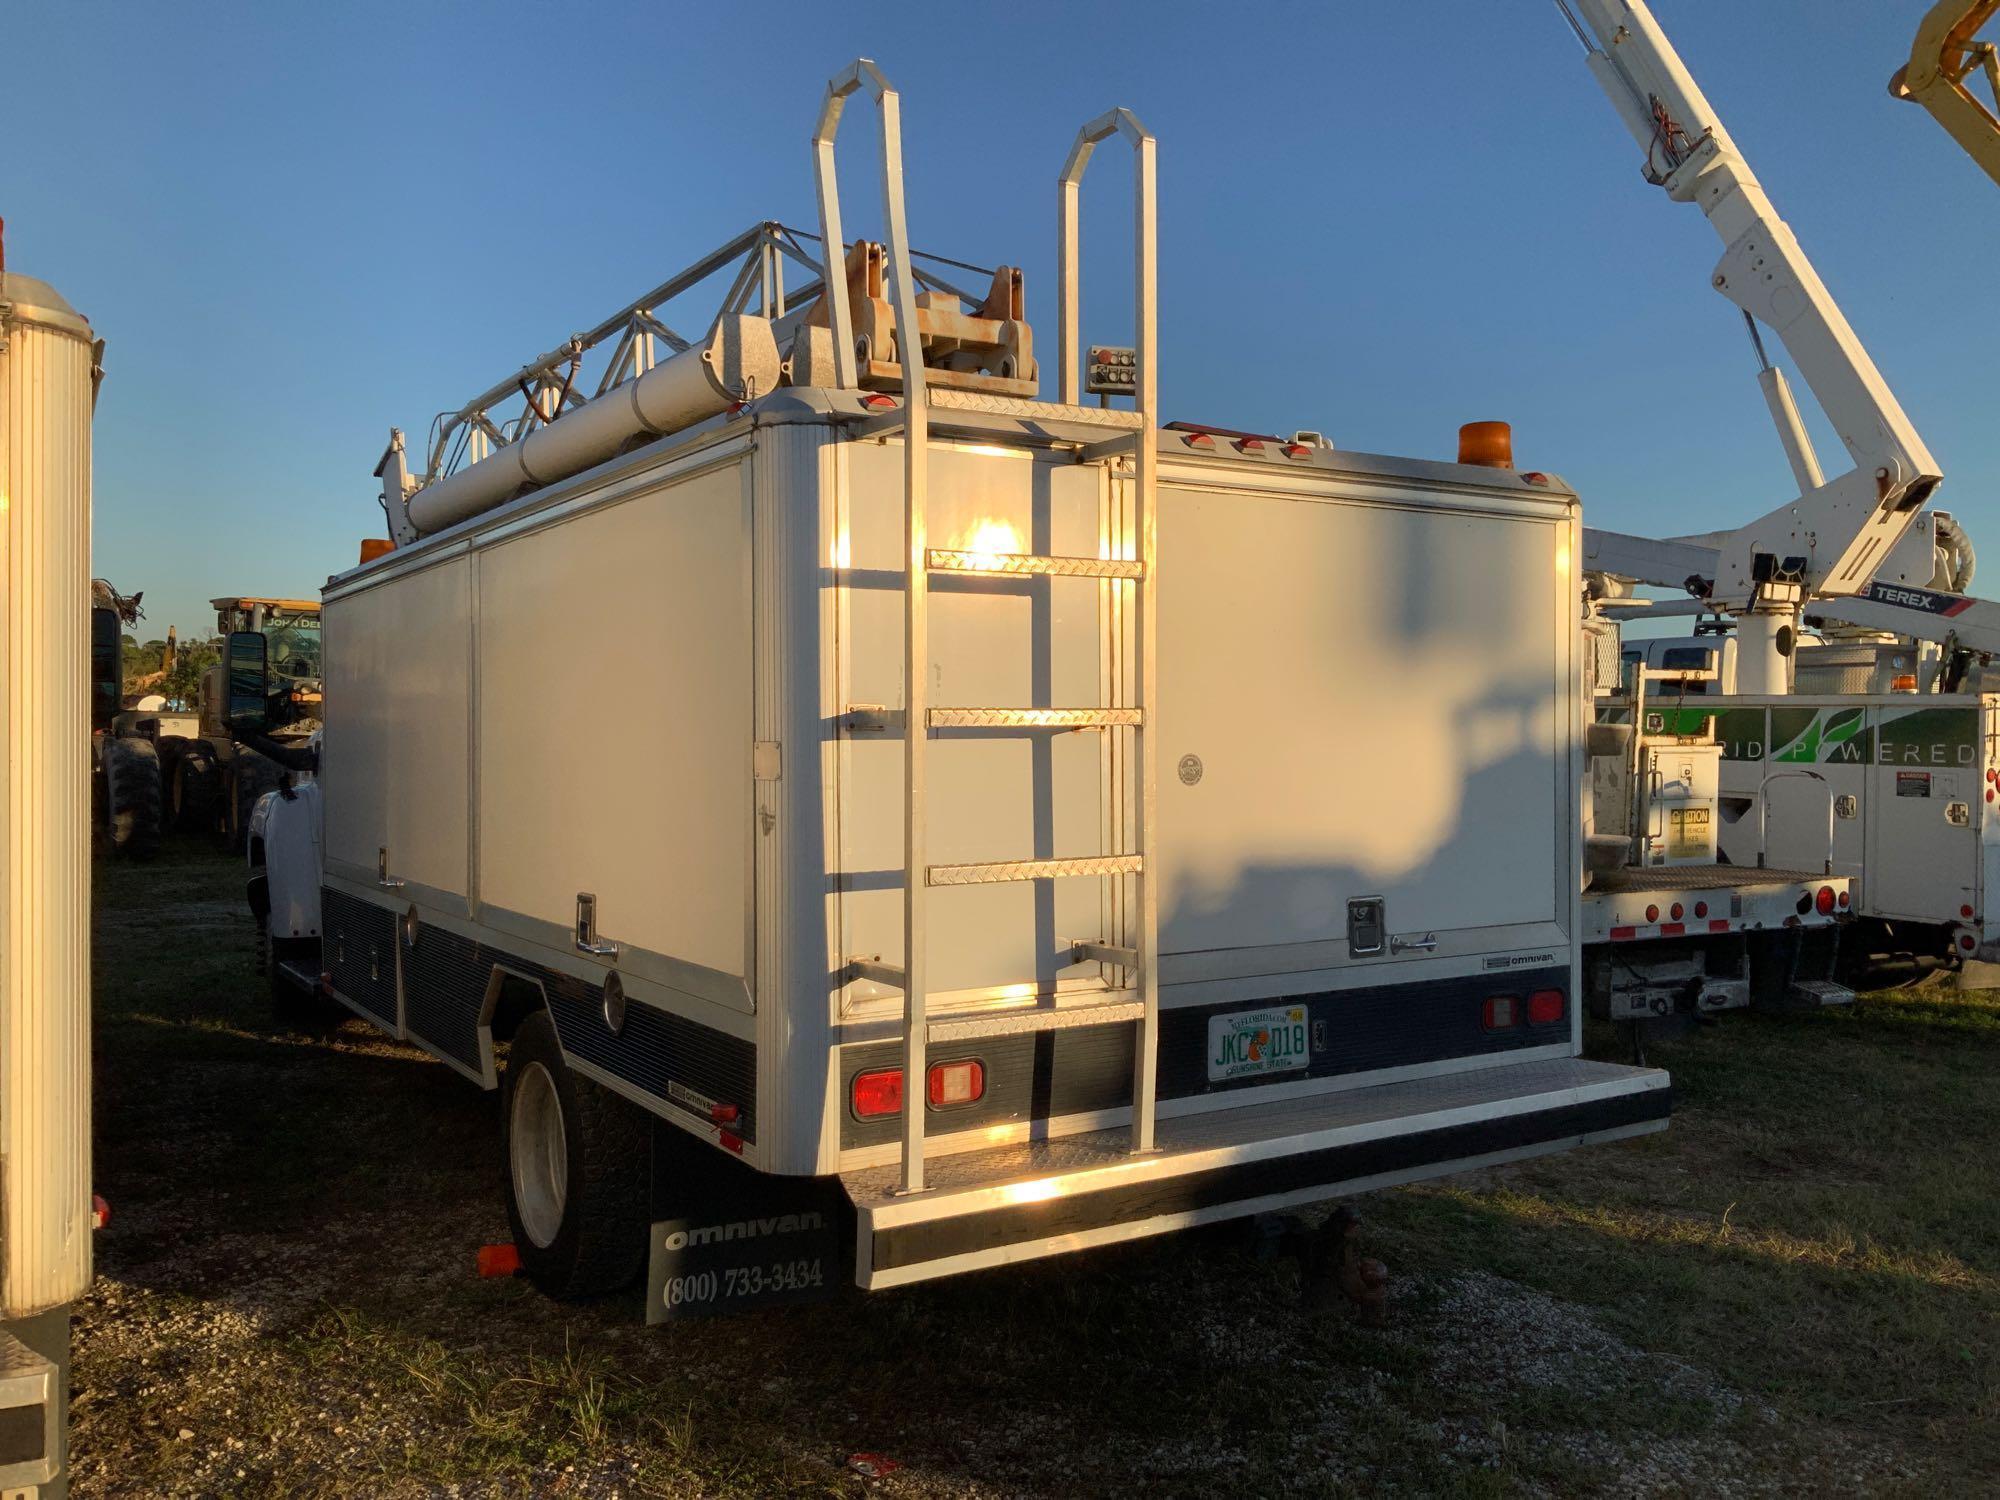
359	948
1089	1068
939	1239
444	990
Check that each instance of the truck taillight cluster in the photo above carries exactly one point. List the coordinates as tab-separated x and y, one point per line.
1823	903
879	1092
1543	1008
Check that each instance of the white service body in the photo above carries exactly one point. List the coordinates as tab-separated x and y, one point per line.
673	683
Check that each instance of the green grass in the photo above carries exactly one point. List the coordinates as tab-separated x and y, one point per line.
288	1278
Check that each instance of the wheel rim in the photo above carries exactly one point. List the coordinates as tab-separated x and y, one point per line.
539	1154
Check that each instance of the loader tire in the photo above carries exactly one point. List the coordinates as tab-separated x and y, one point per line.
255	775
195	786
171	747
131	798
579	1171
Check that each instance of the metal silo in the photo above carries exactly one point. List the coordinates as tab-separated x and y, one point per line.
48	378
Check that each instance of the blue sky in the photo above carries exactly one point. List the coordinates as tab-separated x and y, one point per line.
300	225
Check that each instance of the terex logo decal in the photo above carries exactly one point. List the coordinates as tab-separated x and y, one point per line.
1908	598
745	1229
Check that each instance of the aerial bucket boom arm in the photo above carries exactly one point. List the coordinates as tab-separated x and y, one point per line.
1832	538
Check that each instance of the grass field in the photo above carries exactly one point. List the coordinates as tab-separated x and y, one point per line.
1795	1289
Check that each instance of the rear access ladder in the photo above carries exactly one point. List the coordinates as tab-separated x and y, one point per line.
1136	951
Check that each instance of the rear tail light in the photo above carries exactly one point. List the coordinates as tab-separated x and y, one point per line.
956	1083
1545	1006
1965	911
1674	911
1843	900
1652	914
1502	1011
1823	902
1701	908
878	1093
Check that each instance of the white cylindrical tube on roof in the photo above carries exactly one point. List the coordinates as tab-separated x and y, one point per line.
48	364
738	361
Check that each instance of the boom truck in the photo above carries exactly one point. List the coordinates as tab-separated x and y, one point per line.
1029	852
1825	753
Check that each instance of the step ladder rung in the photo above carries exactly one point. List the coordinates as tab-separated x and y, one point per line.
1034	869
1034	718
1041	1018
1034	409
1014	564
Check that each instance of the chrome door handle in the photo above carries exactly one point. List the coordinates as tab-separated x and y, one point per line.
1423	944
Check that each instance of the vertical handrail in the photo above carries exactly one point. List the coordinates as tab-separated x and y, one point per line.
1146	459
862	74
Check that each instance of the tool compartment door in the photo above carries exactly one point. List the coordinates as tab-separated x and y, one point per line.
1923	850
1364	692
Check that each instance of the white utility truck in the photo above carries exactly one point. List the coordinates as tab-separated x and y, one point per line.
1680	921
1874	740
874	823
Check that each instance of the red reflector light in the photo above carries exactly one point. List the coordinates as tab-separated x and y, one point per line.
1198	440
1249	445
1297	450
1843	900
1823	902
1701	908
724	1114
878	1093
1545	1006
1967	941
1502	1011
1652	914
1674	911
878	401
956	1083
1965	911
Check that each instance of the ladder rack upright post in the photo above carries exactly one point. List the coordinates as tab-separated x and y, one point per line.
1145	483
864	75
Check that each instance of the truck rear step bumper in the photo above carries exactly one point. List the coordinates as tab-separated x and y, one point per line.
986	1208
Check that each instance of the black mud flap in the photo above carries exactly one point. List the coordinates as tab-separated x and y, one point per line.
728	1238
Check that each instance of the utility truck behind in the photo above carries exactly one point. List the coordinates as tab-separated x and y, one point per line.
873	822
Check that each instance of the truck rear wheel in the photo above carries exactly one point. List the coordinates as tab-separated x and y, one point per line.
578	1171
196	781
131	797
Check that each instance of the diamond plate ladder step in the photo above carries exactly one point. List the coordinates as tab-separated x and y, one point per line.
1137	436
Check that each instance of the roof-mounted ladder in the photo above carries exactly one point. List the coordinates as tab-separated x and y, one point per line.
1138	953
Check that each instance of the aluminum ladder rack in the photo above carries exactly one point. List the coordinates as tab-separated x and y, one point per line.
1138	1003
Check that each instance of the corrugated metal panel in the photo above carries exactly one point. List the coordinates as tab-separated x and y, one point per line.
45	411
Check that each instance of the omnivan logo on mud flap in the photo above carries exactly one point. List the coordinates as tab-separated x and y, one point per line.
745	1229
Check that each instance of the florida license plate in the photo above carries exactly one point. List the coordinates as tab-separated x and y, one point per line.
1249	1043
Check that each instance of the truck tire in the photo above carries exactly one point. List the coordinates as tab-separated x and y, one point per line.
254	775
195	786
579	1171
131	798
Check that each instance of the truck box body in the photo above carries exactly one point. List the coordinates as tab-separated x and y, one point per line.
673	683
1911	777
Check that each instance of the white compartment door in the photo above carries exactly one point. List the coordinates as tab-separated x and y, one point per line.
1923	851
1357	699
